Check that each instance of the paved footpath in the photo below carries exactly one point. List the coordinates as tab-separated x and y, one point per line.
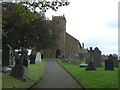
56	77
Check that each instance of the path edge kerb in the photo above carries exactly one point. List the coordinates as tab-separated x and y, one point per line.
72	76
35	83
39	79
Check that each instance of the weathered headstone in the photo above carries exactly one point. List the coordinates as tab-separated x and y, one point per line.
115	61
91	66
32	59
91	54
38	57
90	62
21	70
97	57
17	71
109	63
5	55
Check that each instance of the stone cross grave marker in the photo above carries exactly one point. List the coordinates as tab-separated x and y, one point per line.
91	63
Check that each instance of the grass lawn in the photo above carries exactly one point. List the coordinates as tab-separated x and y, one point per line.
35	71
93	79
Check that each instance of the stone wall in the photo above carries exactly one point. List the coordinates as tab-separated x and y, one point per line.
72	45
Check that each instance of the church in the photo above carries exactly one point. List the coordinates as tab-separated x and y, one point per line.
67	45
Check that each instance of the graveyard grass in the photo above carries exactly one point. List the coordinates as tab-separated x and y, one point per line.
35	71
92	79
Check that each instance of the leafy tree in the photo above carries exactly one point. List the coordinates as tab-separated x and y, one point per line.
15	27
24	27
25	34
45	5
18	16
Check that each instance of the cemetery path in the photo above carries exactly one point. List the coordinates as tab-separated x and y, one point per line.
56	77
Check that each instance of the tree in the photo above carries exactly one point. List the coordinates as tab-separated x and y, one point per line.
17	15
44	5
25	28
25	34
16	26
14	20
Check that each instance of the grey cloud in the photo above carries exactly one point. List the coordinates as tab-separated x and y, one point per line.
113	24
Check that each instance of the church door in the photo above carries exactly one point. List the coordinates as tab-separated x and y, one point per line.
57	54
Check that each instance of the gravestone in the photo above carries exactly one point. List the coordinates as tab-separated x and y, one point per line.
5	55
115	63
20	69
32	59
17	71
91	65
109	63
115	60
91	54
97	57
38	57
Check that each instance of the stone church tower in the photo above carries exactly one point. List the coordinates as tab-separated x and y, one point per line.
60	25
66	44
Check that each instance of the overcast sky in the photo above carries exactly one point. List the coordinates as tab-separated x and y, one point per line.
92	22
